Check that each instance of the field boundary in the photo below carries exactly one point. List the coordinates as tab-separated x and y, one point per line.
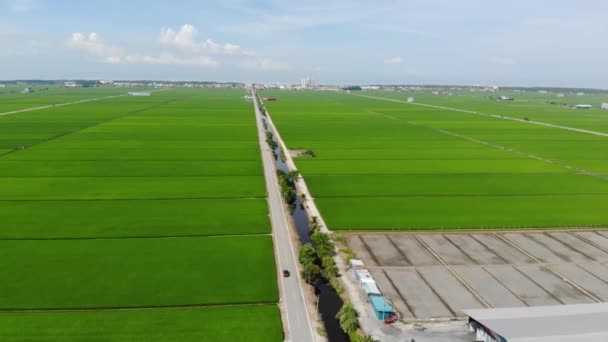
42	141
567	128
159	237
134	308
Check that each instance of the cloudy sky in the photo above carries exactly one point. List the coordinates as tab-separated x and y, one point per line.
517	42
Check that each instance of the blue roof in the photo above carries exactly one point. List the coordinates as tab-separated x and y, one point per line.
382	307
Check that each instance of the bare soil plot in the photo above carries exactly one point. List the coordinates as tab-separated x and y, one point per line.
436	276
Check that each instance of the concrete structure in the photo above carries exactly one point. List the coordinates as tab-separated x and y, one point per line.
307	83
27	90
583	106
604	106
71	85
580	323
139	93
505	98
438	276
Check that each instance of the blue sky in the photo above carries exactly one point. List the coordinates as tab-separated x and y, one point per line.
517	42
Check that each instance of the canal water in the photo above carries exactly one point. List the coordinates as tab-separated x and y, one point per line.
329	302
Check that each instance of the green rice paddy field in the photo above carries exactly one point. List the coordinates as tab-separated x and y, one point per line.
530	104
12	98
153	205
383	165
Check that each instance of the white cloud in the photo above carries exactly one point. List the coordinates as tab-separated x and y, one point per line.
263	64
504	61
186	51
94	46
393	60
186	39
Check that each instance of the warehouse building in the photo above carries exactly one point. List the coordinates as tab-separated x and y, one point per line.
558	323
583	106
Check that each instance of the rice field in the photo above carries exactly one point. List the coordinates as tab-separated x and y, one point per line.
147	210
382	165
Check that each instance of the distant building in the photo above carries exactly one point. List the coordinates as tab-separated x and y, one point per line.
583	106
2	85
561	95
604	106
410	100
71	85
106	82
140	93
27	90
580	94
307	83
505	98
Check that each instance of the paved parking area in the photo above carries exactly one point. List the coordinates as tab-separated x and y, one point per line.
436	276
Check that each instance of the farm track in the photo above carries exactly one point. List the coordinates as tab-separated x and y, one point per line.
540	123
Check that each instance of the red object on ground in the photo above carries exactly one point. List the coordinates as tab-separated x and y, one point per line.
390	320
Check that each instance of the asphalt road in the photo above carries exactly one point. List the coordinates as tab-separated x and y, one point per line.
292	294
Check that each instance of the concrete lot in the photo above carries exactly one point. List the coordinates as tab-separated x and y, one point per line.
436	276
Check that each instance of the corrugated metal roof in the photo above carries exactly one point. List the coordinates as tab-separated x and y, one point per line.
370	287
578	322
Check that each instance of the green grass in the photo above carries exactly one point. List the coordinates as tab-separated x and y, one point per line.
120	218
62	188
237	323
134	203
454	185
387	165
464	212
137	272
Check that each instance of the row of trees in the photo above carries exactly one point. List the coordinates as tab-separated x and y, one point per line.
288	188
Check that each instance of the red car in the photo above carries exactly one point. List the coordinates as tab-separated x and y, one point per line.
286	273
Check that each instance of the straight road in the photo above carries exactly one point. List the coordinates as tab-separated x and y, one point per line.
292	294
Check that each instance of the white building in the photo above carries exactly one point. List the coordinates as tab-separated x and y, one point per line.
70	84
2	85
410	100
27	90
583	106
604	106
307	83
